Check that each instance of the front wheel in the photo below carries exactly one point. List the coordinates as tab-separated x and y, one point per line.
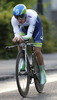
22	77
39	87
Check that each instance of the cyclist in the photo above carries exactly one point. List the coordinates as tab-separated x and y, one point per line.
27	24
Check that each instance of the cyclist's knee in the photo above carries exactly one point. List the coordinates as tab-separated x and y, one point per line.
37	50
19	48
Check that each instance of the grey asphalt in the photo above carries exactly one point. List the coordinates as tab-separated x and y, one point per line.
7	67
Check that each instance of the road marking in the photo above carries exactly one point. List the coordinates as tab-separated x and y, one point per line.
8	86
12	86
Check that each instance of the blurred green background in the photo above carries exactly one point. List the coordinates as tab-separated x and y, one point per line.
6	31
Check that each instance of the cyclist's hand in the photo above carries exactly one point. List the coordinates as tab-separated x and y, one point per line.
15	39
20	39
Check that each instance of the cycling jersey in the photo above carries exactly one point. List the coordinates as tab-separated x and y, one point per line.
33	24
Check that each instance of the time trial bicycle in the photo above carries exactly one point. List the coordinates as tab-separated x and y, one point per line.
32	70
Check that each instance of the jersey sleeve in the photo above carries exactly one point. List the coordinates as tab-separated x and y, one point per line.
15	26
30	29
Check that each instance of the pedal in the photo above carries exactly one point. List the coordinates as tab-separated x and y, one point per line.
31	67
31	74
23	73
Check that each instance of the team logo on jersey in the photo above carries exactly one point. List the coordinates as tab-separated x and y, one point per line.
41	38
17	12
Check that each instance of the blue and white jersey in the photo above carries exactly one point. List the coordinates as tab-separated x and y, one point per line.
30	22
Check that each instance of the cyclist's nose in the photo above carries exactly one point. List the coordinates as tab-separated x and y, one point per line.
19	20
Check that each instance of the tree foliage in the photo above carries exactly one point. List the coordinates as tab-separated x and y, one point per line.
6	31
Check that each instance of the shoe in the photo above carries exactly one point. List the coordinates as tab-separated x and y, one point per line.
22	65
42	77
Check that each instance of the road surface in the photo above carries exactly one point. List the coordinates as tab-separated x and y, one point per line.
9	91
7	67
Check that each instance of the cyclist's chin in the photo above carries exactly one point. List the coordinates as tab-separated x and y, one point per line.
21	22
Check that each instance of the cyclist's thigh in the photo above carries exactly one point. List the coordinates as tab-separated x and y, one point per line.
38	33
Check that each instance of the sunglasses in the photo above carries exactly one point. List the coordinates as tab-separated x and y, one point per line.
20	17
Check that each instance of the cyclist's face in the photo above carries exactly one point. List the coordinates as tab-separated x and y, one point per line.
21	21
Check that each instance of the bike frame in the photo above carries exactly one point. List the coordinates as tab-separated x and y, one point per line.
24	47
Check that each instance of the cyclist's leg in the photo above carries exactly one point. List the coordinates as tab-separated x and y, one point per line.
19	48
38	40
23	32
39	56
40	60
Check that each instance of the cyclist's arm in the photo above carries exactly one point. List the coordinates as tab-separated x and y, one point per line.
16	31
30	29
15	27
29	33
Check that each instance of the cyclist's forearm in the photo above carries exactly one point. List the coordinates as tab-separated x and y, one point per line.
16	32
27	37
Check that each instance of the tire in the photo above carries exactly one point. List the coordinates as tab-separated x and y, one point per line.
24	76
38	86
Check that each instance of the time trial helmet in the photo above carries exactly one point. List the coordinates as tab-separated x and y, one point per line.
19	11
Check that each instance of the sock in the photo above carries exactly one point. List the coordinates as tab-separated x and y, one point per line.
41	68
42	75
